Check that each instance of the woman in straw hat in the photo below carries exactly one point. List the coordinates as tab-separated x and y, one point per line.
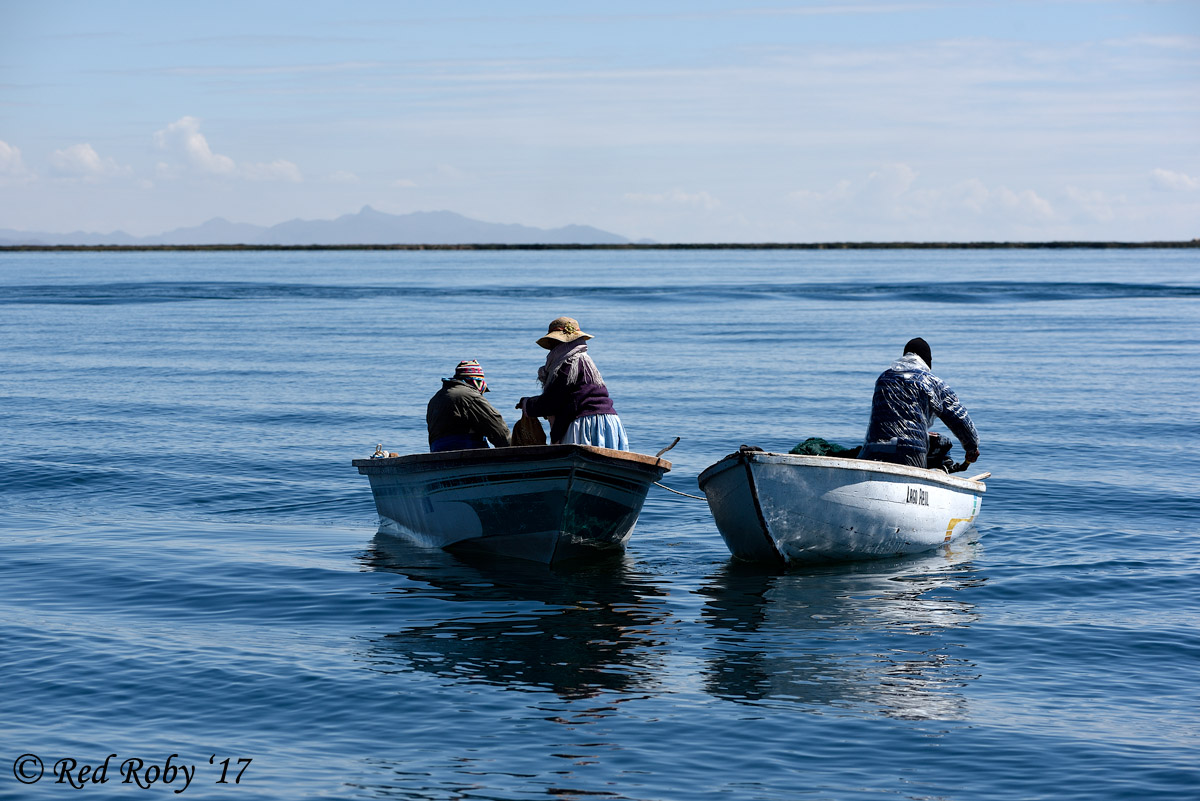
459	417
574	398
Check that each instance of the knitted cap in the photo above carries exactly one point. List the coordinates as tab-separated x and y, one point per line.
470	370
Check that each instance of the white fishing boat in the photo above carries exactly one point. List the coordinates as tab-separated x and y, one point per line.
547	503
790	509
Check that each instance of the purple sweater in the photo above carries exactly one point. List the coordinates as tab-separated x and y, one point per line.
568	403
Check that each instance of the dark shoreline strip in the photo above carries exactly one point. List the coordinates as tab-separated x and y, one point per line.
1195	243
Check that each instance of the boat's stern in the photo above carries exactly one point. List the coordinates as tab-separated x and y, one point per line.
545	503
733	500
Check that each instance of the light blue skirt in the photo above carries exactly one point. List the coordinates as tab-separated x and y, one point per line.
601	430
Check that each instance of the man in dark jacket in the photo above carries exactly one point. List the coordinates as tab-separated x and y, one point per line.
459	417
907	396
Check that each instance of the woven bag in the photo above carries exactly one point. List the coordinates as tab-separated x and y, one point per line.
528	431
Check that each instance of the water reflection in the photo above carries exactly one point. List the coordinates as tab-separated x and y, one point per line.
577	631
878	636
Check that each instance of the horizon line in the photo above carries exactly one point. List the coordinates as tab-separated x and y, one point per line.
899	245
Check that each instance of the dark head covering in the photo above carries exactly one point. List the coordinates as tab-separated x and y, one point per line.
921	348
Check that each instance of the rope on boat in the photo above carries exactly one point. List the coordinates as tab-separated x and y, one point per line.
664	486
677	492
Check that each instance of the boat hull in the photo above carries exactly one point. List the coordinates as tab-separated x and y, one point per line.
547	503
785	508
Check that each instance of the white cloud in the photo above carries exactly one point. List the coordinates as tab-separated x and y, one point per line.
404	183
283	69
451	173
891	195
972	194
10	159
889	182
183	138
12	167
278	170
1094	204
675	197
82	161
1184	43
183	141
342	177
839	191
1176	181
1025	203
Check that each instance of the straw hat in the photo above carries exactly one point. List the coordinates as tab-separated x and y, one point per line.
563	329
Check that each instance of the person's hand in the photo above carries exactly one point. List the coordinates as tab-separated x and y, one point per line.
973	456
521	404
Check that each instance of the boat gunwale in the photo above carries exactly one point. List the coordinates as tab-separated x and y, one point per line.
518	453
840	463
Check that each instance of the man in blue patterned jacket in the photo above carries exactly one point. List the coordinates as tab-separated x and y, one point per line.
907	395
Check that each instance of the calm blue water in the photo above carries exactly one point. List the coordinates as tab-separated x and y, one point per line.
190	564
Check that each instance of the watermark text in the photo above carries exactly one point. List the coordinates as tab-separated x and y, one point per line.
134	771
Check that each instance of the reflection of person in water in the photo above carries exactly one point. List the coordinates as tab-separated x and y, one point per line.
763	624
581	632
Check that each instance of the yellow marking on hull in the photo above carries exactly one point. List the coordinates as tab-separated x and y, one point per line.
950	526
955	522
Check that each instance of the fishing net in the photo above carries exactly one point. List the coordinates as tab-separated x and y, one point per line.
816	446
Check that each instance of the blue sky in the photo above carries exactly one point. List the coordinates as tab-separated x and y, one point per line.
675	121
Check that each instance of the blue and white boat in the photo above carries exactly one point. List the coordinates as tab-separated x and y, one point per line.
547	503
790	509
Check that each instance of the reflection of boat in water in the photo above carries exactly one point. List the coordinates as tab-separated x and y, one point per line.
547	503
875	636
575	630
776	508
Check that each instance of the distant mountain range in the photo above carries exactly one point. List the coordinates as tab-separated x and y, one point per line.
367	227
